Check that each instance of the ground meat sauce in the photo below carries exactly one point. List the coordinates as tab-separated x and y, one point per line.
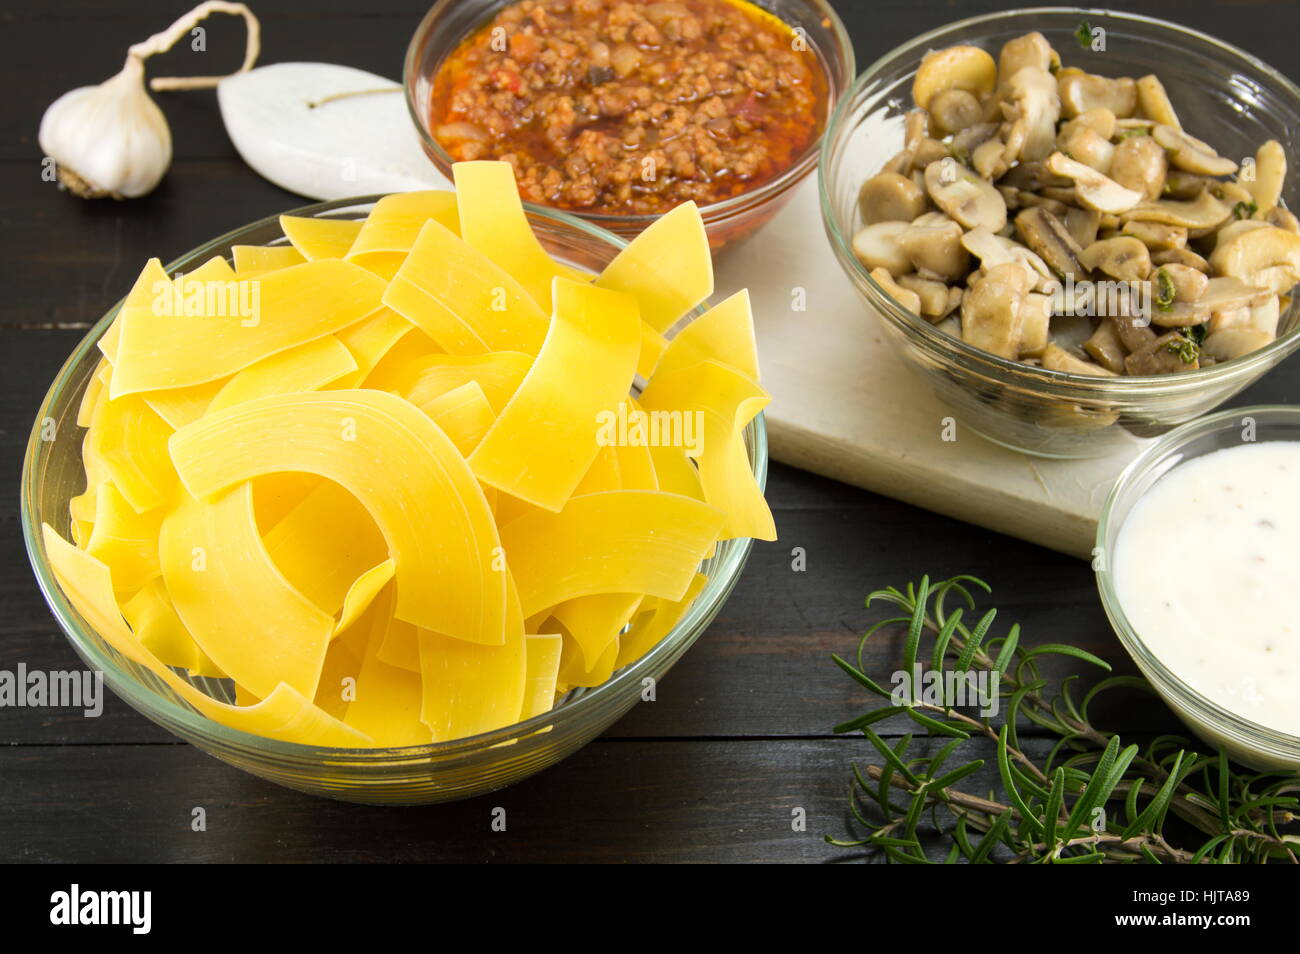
618	107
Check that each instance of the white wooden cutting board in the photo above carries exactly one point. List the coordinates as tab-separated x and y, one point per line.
844	407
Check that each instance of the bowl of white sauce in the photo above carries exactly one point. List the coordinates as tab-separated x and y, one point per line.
1198	564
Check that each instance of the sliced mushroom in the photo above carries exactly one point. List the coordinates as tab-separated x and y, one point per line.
1238	197
1056	358
1101	119
1085	144
1033	200
1221	294
890	197
904	296
1080	92
1283	219
971	138
1134	331
933	244
1035	324
1153	101
956	67
1032	176
1181	256
927	151
1082	224
968	199
1044	233
932	295
1270	175
1185	185
1032	113
1266	315
991	311
876	246
1191	154
1168	354
1234	342
1231	230
1123	257
1095	190
1156	236
952	110
1106	347
1185	282
990	159
1140	164
1203	212
1267	257
1030	50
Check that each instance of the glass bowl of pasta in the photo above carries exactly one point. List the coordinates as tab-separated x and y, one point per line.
127	615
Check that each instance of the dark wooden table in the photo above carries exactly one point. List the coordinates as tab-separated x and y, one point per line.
740	735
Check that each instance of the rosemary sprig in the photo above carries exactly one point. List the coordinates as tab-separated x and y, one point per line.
1091	800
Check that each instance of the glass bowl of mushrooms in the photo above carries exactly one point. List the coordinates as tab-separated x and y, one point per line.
1073	224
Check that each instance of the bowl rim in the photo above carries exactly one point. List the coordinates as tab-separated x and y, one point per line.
1165	681
714	211
166	711
1276	349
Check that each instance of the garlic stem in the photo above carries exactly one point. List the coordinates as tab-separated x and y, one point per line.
163	41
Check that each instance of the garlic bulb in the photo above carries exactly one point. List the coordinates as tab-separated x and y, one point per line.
110	139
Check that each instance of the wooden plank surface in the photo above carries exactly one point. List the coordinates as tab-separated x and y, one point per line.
740	733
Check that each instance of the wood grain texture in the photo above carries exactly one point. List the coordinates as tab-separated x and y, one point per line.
740	732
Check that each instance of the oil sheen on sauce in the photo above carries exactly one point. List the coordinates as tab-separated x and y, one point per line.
1207	569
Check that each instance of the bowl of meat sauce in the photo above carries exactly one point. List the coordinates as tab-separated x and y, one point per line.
619	111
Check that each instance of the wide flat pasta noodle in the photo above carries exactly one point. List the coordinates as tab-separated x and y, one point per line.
130	441
724	333
285	714
541	672
667	267
545	438
462	299
499	375
125	539
728	401
243	613
619	541
256	259
399	464
470	689
369	340
387	700
594	622
155	624
492	220
463	413
325	566
650	628
315	237
308	301
306	367
393	224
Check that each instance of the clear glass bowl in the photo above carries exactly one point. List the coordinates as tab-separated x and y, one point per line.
1246	742
53	474
1229	99
727	222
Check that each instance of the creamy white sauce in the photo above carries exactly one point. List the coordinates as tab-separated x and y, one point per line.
1207	570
